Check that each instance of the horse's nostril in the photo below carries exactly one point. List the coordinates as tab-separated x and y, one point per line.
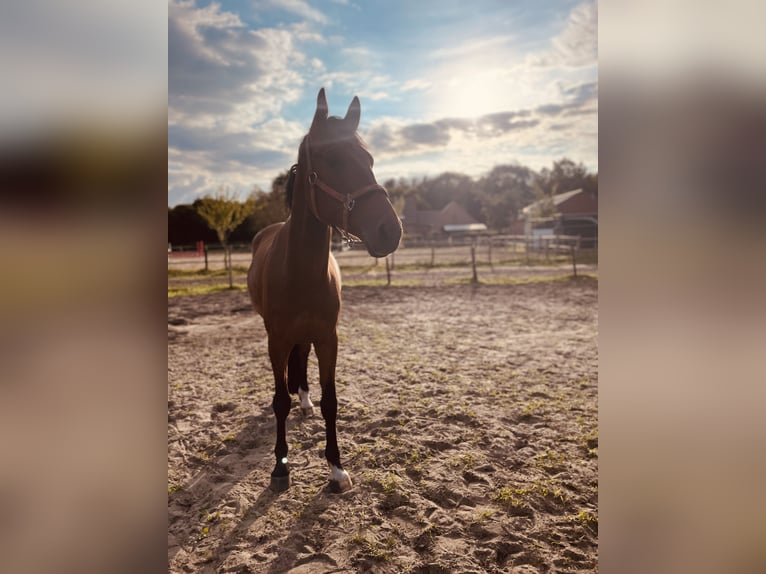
389	230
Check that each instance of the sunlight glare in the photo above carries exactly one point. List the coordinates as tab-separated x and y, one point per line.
470	95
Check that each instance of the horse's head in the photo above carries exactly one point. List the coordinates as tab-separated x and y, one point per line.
342	185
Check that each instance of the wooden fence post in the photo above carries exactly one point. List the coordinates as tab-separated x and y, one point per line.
475	278
489	253
231	271
206	268
574	261
433	254
526	248
388	272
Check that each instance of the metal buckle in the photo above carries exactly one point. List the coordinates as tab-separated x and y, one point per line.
349	203
313	177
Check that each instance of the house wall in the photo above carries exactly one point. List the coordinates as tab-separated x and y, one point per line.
427	222
582	203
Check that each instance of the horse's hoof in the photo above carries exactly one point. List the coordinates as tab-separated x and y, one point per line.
340	481
307	411
338	486
280	483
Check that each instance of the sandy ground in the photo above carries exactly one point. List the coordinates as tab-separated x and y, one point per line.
467	420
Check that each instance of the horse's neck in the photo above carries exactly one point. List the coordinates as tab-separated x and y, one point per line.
308	247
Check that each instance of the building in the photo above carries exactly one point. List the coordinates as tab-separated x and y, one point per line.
452	218
576	213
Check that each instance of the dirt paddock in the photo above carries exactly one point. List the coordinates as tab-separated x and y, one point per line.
467	421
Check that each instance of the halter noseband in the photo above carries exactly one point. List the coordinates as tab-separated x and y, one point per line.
347	200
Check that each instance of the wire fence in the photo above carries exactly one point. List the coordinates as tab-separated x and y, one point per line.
469	257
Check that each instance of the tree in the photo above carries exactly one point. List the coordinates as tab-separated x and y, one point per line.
566	175
223	213
503	192
186	226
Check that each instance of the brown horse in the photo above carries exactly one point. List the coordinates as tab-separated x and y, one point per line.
294	280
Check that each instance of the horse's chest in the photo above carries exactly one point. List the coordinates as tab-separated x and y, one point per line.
307	319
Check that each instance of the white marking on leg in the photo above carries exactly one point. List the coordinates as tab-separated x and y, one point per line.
340	476
305	399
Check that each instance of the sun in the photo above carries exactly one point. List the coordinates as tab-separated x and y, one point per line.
471	94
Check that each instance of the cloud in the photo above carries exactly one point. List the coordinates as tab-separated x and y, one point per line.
392	137
577	44
230	88
430	134
217	68
227	86
297	7
581	93
416	84
472	48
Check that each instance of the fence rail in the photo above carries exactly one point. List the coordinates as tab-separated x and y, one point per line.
496	252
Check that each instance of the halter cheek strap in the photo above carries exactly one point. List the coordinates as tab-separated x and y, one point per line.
347	200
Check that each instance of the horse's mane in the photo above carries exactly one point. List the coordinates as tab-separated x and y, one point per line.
289	187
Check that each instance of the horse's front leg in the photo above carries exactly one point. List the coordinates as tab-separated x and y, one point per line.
278	353
327	353
297	377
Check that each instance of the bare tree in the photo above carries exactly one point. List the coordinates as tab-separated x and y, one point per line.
223	212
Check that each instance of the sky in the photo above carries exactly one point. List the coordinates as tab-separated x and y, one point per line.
444	85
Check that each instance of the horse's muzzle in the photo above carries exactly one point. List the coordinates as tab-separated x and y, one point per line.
386	238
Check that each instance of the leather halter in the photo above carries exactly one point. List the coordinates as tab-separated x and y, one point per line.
347	200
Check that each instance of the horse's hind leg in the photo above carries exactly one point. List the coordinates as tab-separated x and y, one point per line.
280	476
327	352
297	376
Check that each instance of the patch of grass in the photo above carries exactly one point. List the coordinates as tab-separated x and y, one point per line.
549	490
201	273
532	408
466	460
390	541
585	518
483	516
549	459
202	289
174	488
382	283
522	280
370	547
390	483
509	497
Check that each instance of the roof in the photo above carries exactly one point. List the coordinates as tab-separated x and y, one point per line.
451	214
558	199
465	227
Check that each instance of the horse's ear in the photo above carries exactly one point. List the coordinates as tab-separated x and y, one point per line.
353	114
322	109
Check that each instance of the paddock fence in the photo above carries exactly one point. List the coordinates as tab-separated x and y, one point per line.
471	257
